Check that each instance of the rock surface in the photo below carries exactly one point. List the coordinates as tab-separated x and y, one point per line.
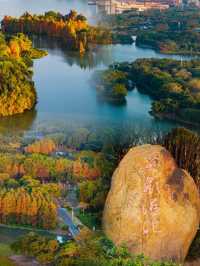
153	206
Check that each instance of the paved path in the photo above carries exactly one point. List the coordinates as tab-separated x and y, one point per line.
21	260
65	215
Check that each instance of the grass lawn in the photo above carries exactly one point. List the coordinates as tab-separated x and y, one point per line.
6	262
88	219
5	250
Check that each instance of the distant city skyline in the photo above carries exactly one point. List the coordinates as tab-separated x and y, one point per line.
118	6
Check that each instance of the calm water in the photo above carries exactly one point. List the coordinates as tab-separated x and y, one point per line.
63	81
66	95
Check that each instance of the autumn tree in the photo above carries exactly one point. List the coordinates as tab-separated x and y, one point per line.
184	145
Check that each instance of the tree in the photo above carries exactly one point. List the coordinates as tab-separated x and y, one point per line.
173	87
119	90
3	178
72	14
72	29
44	146
17	92
184	146
194	85
90	250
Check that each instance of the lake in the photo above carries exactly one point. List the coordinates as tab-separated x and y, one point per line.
66	95
63	81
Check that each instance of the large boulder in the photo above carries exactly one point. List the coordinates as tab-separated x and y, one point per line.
153	206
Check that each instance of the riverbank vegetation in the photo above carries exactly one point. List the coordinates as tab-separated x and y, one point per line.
17	91
72	29
174	86
171	31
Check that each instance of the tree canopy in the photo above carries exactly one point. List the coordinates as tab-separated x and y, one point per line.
17	91
72	29
173	84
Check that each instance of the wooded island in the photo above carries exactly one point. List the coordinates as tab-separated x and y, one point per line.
174	86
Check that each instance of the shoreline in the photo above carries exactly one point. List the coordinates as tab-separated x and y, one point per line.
172	117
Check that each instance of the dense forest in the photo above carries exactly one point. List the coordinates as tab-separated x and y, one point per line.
28	203
42	170
17	91
33	178
174	30
73	29
30	184
174	85
49	168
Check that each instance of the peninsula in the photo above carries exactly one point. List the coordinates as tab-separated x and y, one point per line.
17	91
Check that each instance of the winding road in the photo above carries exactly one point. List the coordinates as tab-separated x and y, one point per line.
65	215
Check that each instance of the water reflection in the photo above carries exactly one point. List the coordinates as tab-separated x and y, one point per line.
65	92
100	55
17	124
97	56
62	80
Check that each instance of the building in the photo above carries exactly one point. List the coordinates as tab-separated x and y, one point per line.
117	6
